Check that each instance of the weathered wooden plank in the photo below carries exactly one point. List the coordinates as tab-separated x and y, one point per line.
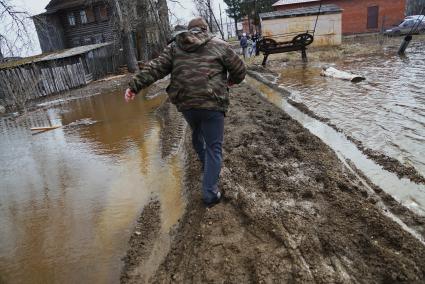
35	75
29	78
61	79
57	79
52	80
72	73
52	86
28	83
83	69
44	81
5	87
66	76
71	76
77	71
19	81
82	72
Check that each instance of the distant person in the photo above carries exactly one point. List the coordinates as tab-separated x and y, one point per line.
250	46
258	43
244	44
253	48
202	67
254	44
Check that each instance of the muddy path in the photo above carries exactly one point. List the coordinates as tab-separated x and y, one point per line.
293	213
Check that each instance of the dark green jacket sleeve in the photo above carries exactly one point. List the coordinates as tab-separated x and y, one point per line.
156	69
234	65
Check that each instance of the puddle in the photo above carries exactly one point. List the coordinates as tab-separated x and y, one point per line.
408	193
386	112
69	197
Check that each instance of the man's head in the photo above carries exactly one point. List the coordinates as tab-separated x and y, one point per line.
199	23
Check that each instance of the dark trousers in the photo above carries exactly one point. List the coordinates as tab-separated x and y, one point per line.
207	139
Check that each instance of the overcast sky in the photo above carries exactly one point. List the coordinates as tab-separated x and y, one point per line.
184	11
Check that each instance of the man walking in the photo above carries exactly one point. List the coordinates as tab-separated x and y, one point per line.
244	45
202	67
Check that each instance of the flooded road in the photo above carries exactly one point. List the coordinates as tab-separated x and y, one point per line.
69	197
412	195
386	112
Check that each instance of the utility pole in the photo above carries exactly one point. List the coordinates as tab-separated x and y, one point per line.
221	19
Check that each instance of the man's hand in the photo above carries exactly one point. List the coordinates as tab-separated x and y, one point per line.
129	95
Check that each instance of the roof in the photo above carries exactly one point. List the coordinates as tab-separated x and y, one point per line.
72	51
289	2
55	5
54	55
299	12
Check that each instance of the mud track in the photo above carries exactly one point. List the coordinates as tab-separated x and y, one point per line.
293	213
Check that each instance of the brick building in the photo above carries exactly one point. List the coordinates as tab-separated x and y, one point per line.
359	16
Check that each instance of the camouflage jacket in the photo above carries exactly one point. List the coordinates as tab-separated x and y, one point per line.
200	66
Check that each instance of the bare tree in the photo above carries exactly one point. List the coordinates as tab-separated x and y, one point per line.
125	30
415	7
15	38
204	8
141	16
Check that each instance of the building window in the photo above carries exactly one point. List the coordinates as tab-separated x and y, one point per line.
71	19
83	17
408	23
101	13
90	15
372	17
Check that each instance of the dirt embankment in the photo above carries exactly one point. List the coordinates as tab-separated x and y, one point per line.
293	213
266	76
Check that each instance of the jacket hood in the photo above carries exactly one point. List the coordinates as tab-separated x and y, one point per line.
191	40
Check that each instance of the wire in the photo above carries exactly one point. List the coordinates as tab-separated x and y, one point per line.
317	18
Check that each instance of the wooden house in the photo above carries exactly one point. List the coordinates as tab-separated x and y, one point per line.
72	23
359	16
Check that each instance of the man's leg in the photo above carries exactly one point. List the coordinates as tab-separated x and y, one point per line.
213	130
197	139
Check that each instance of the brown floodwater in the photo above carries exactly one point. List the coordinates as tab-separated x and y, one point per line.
69	197
386	112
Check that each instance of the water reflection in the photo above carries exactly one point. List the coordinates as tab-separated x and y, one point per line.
386	112
69	197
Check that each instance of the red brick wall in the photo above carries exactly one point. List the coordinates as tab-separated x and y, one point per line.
354	16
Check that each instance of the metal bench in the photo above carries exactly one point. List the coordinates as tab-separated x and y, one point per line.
268	45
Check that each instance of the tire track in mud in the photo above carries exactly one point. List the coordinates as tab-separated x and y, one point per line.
293	213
